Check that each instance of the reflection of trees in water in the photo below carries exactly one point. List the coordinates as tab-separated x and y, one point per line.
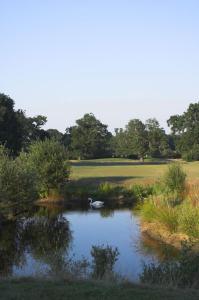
45	237
11	247
106	212
160	250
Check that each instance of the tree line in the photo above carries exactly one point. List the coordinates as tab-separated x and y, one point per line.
90	138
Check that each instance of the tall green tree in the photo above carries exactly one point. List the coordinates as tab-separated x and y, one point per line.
30	129
120	143
137	138
185	129
55	134
10	130
90	138
17	130
157	138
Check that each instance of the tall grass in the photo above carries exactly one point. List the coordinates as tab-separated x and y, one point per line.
158	210
188	219
176	207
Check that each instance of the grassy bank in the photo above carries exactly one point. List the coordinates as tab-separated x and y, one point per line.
171	214
115	181
23	289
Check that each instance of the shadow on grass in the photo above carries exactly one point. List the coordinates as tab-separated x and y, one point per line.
95	181
112	164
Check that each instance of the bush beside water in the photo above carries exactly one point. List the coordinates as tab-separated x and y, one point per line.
173	207
182	272
34	174
18	180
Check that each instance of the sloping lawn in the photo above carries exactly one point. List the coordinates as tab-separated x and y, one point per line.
125	171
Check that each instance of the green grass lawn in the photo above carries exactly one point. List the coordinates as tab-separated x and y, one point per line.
125	171
29	289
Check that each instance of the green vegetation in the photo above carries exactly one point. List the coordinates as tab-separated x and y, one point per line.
185	130
23	289
33	175
49	158
34	164
125	171
112	194
26	288
17	130
18	180
172	205
90	138
181	272
175	180
104	259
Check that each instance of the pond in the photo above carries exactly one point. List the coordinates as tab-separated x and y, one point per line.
46	237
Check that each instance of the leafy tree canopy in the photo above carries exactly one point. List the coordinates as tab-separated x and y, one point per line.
90	138
185	128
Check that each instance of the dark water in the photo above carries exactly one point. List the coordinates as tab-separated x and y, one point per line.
43	239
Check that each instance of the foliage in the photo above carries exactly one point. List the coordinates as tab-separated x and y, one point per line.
175	179
188	219
182	272
18	180
16	130
90	138
192	154
106	190
158	210
141	191
120	143
55	134
168	206
137	138
185	129
104	259
158	141
49	159
10	134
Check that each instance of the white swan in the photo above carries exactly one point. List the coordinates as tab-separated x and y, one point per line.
96	204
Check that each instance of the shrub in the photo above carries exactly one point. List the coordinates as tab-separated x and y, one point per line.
175	179
141	191
18	181
104	259
182	272
49	159
105	189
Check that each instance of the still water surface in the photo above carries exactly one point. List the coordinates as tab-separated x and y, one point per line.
43	240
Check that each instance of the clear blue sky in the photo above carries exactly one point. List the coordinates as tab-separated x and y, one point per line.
118	59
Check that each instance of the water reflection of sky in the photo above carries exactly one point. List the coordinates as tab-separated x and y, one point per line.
116	228
120	230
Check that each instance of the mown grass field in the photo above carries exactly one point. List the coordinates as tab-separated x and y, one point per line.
125	171
30	289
